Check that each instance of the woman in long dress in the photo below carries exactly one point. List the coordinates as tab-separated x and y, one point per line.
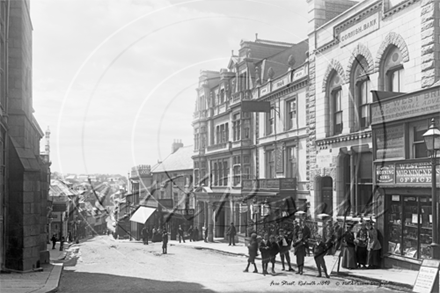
361	246
348	254
374	246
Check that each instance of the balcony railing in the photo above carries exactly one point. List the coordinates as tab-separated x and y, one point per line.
218	146
270	184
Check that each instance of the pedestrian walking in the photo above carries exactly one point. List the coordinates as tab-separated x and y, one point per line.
196	234
348	252
285	245
337	237
206	233
62	243
231	233
301	249
274	249
54	241
190	233
145	235
181	236
164	241
319	250
264	248
374	246
253	252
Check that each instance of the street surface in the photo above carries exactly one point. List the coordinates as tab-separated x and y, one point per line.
103	264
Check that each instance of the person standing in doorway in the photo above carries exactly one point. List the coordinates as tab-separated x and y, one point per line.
181	236
231	233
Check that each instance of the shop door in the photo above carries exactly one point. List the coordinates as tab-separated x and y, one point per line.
220	222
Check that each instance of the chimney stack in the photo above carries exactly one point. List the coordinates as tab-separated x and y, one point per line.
177	144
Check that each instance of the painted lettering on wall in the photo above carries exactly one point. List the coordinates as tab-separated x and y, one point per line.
406	106
359	30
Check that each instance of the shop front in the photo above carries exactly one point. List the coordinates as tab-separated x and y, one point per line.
407	213
272	204
403	175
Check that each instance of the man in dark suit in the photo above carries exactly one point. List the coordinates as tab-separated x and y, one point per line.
231	233
181	236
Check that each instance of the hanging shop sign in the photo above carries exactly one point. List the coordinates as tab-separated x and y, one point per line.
385	174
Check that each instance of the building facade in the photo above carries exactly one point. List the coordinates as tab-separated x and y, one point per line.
24	175
360	57
174	190
231	142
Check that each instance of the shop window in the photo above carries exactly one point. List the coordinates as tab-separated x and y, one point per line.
410	226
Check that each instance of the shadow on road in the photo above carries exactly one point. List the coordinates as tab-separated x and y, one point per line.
72	281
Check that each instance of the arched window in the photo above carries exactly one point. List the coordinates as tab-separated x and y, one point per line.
392	71
334	96
361	93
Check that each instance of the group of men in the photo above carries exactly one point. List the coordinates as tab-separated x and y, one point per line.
287	240
193	234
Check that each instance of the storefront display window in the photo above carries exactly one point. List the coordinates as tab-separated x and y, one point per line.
410	228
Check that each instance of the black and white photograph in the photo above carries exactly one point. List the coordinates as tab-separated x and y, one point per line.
219	146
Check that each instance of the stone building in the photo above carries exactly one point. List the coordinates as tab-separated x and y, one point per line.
24	175
226	158
369	52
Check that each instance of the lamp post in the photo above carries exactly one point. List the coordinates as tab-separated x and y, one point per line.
432	141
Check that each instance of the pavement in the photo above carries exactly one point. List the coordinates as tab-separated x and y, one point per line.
48	278
393	278
45	279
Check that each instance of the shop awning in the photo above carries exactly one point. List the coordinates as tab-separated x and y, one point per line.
142	214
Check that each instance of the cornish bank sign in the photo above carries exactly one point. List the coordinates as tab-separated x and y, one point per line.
362	28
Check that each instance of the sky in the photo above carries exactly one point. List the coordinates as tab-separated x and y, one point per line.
115	80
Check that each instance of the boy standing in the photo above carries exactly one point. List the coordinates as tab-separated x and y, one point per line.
274	249
319	250
265	252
